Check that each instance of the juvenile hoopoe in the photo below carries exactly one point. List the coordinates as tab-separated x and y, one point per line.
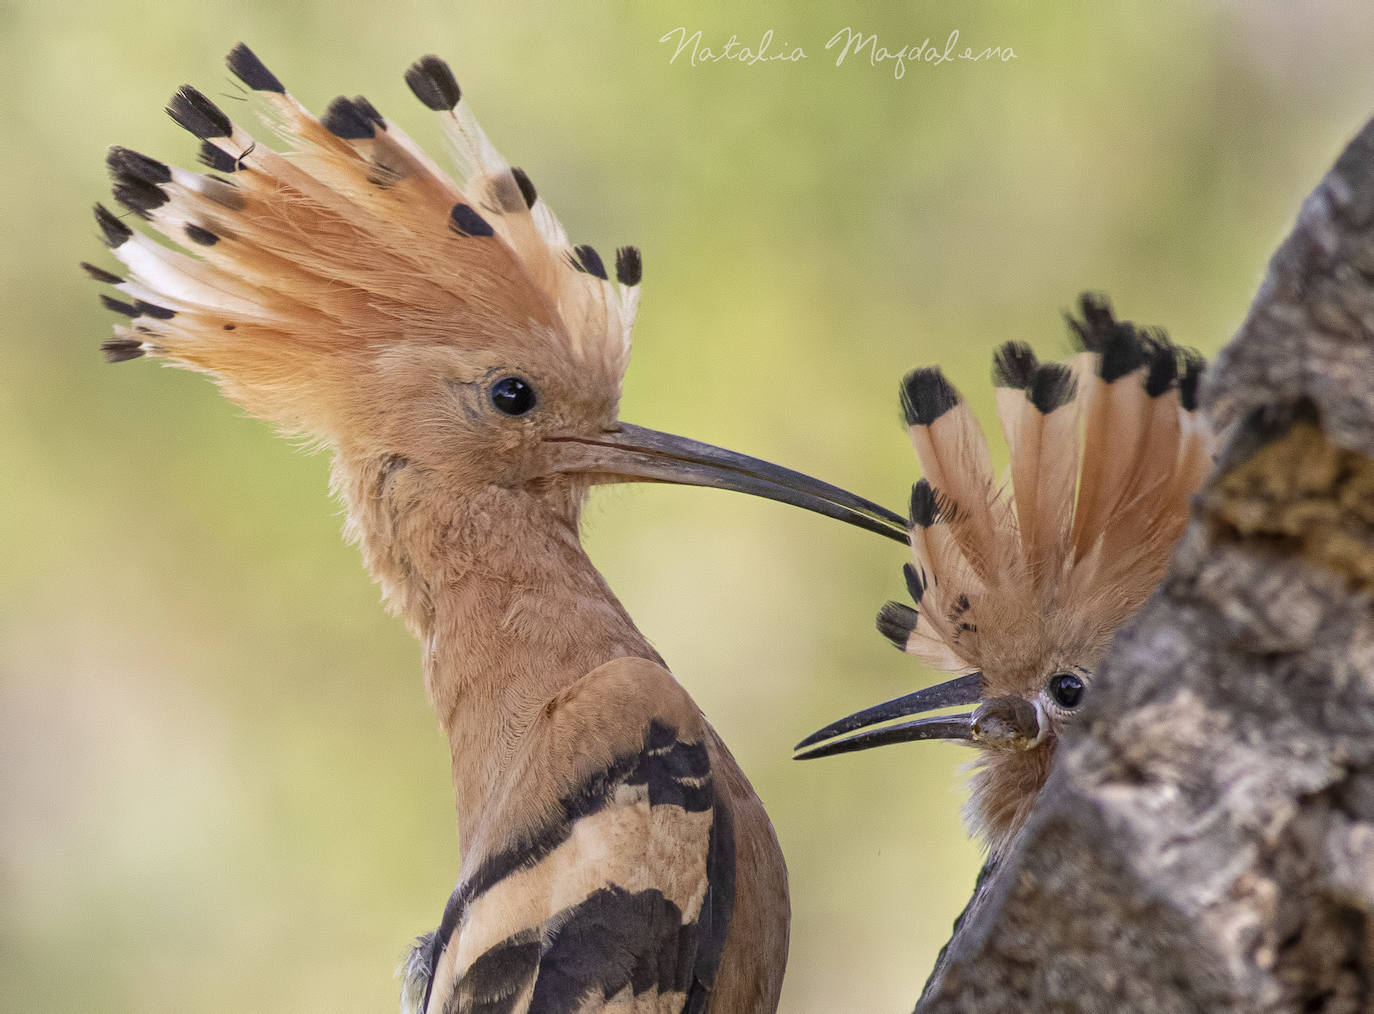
1020	587
462	361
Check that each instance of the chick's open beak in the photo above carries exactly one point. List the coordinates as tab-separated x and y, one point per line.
963	690
635	454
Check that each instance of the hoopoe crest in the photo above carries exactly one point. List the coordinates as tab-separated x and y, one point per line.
462	362
1019	586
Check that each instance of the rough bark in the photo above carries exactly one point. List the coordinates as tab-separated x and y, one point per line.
1206	841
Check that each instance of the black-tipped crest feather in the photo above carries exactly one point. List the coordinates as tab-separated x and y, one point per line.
924	506
1098	324
121	350
246	66
467	222
896	621
915	585
629	266
153	310
201	236
345	119
100	274
1054	386
926	395
1189	377
125	163
114	232
433	83
194	112
368	110
527	191
137	180
1014	365
118	306
214	158
1123	352
1163	371
590	260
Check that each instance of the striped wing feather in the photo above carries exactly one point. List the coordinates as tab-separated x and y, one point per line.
615	895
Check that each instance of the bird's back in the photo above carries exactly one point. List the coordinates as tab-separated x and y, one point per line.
756	948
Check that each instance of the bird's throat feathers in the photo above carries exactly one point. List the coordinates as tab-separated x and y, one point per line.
494	582
1005	785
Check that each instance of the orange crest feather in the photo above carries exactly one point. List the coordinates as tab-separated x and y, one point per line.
318	262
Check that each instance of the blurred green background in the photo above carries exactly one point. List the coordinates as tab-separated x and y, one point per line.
221	787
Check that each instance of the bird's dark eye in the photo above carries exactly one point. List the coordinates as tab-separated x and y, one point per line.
1066	689
512	396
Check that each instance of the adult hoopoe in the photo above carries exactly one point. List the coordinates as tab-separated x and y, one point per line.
1020	590
462	362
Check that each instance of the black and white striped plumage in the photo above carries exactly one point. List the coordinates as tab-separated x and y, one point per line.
606	936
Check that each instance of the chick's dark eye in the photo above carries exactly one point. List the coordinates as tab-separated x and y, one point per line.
512	396
1066	689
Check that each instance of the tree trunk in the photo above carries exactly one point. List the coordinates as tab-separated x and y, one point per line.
1206	840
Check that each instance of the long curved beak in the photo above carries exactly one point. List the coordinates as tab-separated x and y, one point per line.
960	691
635	454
